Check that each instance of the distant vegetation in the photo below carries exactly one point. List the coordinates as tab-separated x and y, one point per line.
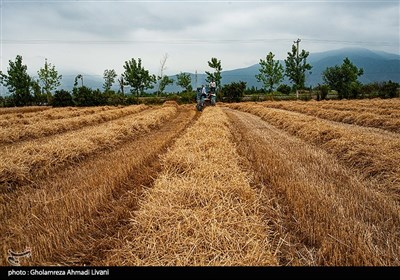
339	82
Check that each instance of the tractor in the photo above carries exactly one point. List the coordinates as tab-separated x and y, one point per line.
203	100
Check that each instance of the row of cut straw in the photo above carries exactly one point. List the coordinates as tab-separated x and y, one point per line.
362	117
43	128
374	155
323	213
31	159
201	210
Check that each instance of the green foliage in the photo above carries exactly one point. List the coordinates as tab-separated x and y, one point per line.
49	79
322	91
386	89
137	77
271	72
62	98
79	76
114	98
121	84
355	89
285	89
131	99
173	97
18	82
38	97
343	78
216	75
233	92
163	83
389	90
187	97
84	96
7	101
254	90
296	67
109	78
185	81
152	100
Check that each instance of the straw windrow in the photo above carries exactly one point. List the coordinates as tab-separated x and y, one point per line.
27	109
31	160
324	213
50	114
68	218
374	155
387	119
201	210
269	187
41	128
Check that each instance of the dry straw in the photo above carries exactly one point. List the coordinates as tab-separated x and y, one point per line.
352	114
40	128
18	110
66	219
374	155
323	213
30	160
51	114
201	210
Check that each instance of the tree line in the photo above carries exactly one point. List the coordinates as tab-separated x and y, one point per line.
25	90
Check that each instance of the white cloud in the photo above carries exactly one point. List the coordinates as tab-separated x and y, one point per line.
91	36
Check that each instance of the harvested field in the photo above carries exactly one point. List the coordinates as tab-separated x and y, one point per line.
245	184
387	119
20	110
51	114
40	128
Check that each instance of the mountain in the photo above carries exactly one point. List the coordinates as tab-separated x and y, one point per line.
90	81
378	66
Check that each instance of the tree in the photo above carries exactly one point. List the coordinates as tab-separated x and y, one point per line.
322	91
49	79
389	89
38	97
121	83
271	72
233	92
137	77
184	80
79	76
109	78
83	96
342	78
163	81
285	89
296	66
62	98
18	82
216	75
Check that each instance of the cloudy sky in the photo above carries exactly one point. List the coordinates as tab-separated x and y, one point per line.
91	36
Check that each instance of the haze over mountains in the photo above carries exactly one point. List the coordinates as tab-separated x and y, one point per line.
378	66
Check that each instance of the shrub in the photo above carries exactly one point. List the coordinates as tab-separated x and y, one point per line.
285	89
233	92
62	98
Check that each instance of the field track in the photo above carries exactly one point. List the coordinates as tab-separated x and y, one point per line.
259	184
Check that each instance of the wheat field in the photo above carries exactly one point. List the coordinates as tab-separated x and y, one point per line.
284	183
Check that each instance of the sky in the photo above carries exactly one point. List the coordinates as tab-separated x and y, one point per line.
90	36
